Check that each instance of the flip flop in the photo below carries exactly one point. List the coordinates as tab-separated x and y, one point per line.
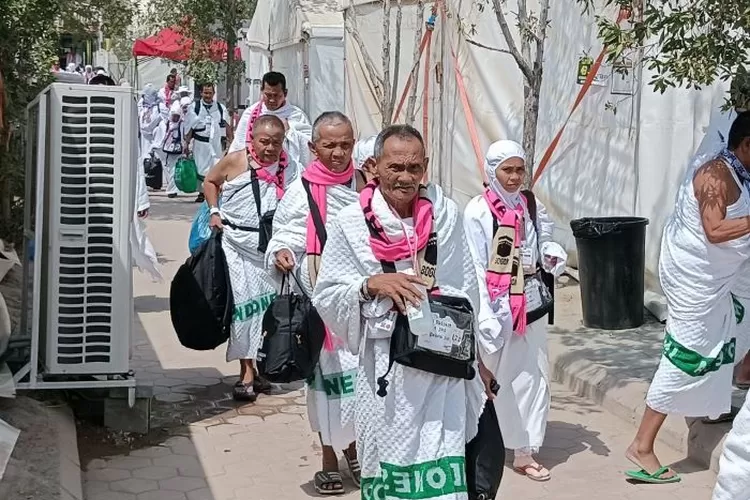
328	483
724	417
744	386
537	467
655	478
354	468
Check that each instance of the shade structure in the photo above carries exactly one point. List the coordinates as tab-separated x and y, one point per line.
170	44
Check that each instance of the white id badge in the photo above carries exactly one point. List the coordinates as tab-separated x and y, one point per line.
527	259
533	295
385	324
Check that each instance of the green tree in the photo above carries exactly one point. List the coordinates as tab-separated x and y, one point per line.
683	44
29	37
204	21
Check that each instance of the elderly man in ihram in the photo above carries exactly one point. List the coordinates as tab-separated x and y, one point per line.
397	281
241	191
327	185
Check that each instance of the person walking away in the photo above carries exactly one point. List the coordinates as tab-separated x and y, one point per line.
508	247
274	102
204	123
172	147
265	170
88	73
704	245
169	89
413	437
363	156
296	244
733	481
151	125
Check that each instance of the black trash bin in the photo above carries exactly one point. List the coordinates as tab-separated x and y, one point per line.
611	258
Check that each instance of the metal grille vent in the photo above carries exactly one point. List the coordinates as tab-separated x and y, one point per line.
87	211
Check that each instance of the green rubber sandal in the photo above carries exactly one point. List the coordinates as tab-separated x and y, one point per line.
655	478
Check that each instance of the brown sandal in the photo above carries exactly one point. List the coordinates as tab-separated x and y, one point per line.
523	470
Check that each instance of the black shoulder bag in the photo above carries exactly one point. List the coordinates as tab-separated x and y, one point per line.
293	335
544	281
448	350
265	220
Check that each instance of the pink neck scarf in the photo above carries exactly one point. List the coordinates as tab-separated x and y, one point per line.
382	246
510	280
263	173
320	177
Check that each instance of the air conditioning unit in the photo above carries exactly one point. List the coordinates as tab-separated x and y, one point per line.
81	161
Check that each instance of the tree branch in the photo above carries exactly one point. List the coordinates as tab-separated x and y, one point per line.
372	72
523	65
386	60
541	37
483	46
414	78
397	59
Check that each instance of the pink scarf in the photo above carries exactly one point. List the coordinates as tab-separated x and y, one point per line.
263	173
507	277
319	178
382	246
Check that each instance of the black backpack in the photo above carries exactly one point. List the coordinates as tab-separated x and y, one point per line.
201	302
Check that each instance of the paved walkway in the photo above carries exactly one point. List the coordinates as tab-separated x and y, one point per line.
210	448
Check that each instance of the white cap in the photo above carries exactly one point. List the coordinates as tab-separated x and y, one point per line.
182	89
176	109
185	101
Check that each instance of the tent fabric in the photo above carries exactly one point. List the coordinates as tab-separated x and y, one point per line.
628	162
172	45
304	40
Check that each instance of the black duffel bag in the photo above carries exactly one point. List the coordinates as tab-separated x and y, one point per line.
485	457
152	168
201	302
293	335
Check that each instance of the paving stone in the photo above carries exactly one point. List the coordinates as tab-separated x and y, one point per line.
134	485
156	473
111	495
129	463
107	475
176	461
92	487
182	484
151	452
162	495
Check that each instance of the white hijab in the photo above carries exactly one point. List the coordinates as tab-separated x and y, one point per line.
497	153
363	150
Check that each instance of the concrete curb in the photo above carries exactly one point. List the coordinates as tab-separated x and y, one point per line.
614	370
71	482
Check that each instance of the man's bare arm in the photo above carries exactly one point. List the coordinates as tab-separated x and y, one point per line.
715	190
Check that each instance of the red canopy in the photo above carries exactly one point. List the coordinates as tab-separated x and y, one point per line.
172	45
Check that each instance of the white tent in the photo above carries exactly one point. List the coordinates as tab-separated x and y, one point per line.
304	40
628	162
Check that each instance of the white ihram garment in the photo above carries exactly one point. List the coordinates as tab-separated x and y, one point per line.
298	136
252	285
733	481
172	151
143	253
206	128
411	442
519	362
697	278
330	396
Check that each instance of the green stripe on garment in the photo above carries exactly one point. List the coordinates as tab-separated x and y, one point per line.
445	476
739	309
253	307
692	362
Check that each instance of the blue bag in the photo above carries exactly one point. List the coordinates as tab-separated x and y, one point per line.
200	230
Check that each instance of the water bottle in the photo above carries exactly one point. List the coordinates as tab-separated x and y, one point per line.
420	319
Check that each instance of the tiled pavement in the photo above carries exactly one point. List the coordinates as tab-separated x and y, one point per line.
206	447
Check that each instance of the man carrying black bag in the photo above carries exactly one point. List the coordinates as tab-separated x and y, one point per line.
250	184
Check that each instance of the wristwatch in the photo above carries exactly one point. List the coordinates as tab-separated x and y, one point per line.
214	211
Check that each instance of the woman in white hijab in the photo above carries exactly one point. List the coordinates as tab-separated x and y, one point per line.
510	249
